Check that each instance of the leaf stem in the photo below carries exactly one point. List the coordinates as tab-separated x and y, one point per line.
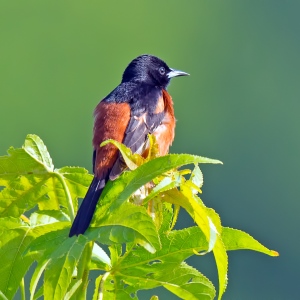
101	286
83	270
69	198
22	289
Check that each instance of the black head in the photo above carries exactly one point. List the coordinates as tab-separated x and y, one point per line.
151	70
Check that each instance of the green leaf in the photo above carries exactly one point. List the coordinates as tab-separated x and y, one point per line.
43	217
2	296
47	243
100	260
118	191
97	286
128	223
36	276
73	289
29	179
153	151
16	237
187	283
239	240
209	223
139	269
77	180
132	160
39	293
35	147
222	265
116	250
166	184
59	270
197	177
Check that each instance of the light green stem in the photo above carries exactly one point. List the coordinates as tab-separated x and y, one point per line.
69	198
22	289
101	285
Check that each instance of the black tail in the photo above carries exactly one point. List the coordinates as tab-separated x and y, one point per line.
86	210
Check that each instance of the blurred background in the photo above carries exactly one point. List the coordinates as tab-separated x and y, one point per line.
240	105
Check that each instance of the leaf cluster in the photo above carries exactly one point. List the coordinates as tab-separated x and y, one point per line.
135	218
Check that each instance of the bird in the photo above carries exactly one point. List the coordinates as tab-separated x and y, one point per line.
140	105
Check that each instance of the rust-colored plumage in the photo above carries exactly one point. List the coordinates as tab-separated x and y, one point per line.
138	106
111	121
165	132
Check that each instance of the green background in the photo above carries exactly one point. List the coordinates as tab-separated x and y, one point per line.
240	105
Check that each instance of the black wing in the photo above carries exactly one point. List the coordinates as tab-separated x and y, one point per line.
136	137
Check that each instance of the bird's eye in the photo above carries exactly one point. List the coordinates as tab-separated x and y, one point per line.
162	71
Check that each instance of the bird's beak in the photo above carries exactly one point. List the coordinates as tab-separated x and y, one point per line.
175	73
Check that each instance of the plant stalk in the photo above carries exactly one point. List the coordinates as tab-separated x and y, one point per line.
22	289
101	286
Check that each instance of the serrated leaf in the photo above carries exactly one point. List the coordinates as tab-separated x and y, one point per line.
128	223
139	269
155	211
36	148
175	215
166	184
16	237
132	160
78	180
59	270
235	239
29	178
168	212
221	259
118	191
153	151
197	176
45	245
209	222
177	245
49	241
116	250
187	283
43	217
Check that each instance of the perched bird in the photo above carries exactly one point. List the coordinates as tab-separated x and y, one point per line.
138	106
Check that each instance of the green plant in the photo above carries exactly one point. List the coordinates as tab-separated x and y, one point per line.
135	218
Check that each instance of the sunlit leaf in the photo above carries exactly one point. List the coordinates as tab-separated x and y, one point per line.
208	221
59	270
43	217
36	276
29	178
167	183
100	260
152	249
139	269
239	240
118	191
132	160
128	223
16	237
197	176
73	289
